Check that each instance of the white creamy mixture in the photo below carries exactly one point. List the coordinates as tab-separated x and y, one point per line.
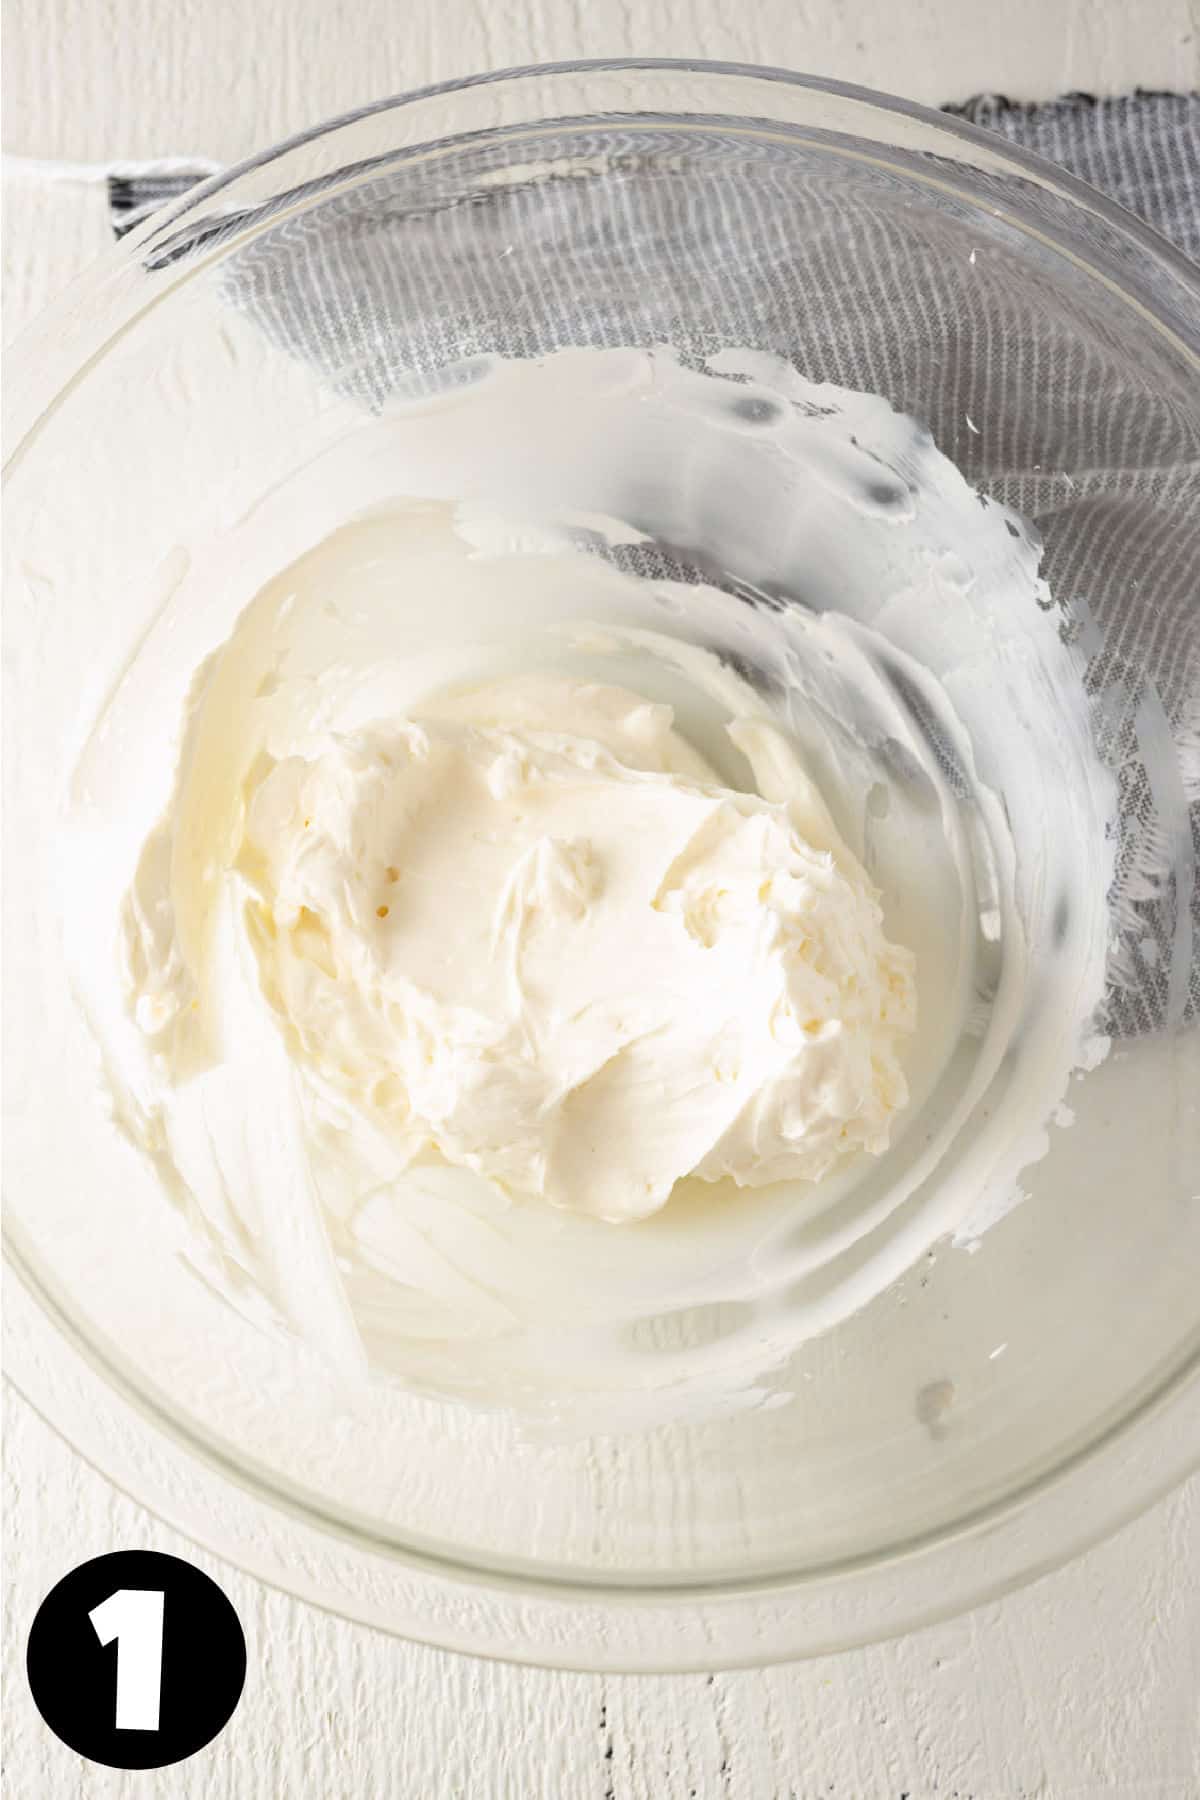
529	931
522	948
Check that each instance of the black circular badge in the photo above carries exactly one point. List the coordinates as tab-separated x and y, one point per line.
136	1660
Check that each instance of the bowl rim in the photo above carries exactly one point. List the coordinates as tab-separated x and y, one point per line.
953	123
554	1623
25	399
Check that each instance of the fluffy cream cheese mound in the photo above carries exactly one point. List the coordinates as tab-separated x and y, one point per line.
529	930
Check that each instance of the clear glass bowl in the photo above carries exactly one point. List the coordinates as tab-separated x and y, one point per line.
989	1413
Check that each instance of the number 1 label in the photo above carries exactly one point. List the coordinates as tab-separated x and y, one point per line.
134	1617
174	1691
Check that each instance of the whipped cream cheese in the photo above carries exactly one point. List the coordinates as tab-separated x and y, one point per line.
529	930
487	871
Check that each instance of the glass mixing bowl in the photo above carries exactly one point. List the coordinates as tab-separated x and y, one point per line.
992	1410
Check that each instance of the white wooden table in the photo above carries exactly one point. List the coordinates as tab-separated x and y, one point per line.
1085	1684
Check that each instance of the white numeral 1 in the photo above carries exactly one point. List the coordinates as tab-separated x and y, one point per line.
134	1616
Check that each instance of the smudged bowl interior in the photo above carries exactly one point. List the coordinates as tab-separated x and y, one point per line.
992	1409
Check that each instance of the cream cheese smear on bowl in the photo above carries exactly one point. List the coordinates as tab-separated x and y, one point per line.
609	842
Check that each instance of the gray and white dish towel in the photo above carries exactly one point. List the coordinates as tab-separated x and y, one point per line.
366	307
